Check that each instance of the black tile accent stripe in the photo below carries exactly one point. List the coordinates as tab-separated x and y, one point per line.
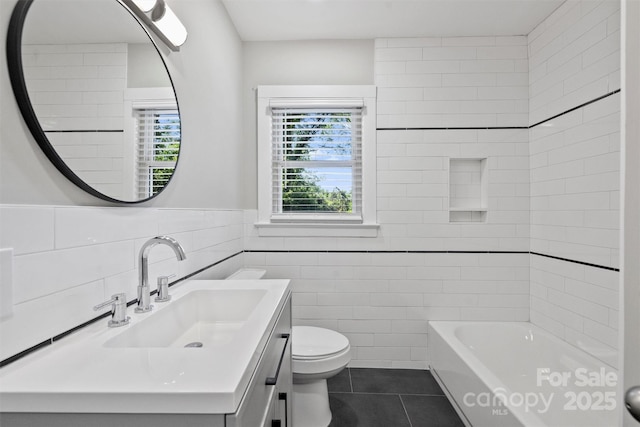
45	343
25	352
339	251
511	127
576	108
459	128
87	323
85	131
342	251
604	267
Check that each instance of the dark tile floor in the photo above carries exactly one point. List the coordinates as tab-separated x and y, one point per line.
362	397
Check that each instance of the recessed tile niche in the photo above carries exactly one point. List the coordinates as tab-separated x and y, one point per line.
467	190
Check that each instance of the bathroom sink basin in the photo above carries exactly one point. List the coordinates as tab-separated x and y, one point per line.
200	319
144	367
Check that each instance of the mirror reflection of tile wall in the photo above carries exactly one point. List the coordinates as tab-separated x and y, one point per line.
77	91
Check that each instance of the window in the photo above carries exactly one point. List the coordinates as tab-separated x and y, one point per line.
316	151
158	146
316	165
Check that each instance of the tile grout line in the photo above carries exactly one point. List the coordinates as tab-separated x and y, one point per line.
390	395
404	408
386	393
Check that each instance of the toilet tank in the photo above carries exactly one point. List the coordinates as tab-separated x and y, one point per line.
248	274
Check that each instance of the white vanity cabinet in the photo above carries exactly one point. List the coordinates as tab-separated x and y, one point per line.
265	400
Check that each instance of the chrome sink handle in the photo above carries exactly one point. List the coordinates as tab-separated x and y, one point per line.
118	310
163	288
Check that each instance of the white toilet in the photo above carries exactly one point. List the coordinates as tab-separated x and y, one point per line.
317	354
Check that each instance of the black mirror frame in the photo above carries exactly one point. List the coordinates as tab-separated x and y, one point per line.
16	76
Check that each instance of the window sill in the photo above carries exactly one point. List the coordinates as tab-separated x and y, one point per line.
316	230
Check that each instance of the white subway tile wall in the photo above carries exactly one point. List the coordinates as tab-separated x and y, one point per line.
452	82
574	58
68	259
383	301
81	87
413	202
578	303
575	184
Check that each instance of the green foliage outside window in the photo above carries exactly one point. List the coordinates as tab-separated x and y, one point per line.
166	148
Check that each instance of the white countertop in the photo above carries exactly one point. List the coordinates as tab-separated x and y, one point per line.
80	374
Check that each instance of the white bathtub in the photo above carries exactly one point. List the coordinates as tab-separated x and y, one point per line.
516	374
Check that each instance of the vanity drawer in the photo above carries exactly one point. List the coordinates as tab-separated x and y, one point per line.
268	397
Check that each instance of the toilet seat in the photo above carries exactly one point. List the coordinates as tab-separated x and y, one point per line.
310	342
318	350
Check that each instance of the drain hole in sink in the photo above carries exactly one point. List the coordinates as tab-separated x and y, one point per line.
195	344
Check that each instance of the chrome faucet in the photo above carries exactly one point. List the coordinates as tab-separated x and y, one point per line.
144	292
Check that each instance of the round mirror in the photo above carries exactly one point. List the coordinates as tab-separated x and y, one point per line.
96	95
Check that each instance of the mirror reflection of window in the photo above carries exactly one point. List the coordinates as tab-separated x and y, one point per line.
158	146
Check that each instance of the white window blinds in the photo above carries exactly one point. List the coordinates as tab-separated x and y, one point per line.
158	145
316	163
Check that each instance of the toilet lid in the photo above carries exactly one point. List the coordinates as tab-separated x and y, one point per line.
311	342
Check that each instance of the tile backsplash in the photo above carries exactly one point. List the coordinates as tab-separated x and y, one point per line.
68	259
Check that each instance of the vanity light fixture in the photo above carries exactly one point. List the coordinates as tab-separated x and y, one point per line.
159	17
145	5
